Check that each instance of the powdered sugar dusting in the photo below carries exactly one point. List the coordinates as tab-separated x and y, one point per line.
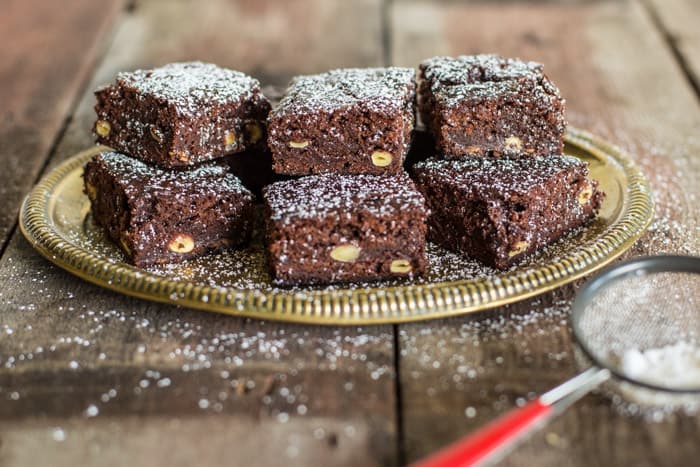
138	178
501	176
189	85
451	80
376	89
478	68
340	195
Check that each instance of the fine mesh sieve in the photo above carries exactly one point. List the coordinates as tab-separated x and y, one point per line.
642	315
637	322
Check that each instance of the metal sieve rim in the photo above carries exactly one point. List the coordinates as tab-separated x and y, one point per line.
649	264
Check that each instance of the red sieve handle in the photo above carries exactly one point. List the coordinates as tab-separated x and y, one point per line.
487	440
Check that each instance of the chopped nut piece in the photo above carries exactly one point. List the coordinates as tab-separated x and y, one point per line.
381	158
125	245
519	248
91	191
298	144
345	253
229	139
585	195
400	266
180	155
253	131
472	150
182	243
102	127
156	134
514	143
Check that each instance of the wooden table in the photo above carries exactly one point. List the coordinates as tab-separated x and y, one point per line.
91	377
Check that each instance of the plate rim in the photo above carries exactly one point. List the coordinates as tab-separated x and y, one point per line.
368	305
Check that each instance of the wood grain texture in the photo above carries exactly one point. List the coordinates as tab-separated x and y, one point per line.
678	19
222	390
455	375
48	50
89	377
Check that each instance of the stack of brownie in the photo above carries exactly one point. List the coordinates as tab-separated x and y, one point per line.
502	188
355	215
163	194
497	189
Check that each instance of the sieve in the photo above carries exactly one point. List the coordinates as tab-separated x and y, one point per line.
637	323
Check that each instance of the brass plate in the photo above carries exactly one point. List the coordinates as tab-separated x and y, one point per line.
56	220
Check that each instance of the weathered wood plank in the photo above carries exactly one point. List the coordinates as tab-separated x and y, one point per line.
186	441
224	390
49	50
679	20
456	375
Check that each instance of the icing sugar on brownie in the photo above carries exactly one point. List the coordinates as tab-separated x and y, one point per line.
337	195
500	177
190	85
378	89
479	68
136	176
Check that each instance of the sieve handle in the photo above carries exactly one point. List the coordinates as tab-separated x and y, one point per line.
508	428
490	438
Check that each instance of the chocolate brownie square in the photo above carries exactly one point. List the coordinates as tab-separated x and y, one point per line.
181	114
485	105
349	121
338	228
165	216
500	210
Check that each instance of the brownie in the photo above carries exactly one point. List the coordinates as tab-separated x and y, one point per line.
349	121
181	114
165	216
339	228
485	105
500	210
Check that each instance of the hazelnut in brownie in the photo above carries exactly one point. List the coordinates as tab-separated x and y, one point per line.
338	228
348	121
485	105
181	114
165	216
500	210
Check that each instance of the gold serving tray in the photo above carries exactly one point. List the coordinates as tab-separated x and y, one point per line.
55	219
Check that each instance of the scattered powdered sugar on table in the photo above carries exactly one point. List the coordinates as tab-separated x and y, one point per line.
674	366
177	360
470	354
